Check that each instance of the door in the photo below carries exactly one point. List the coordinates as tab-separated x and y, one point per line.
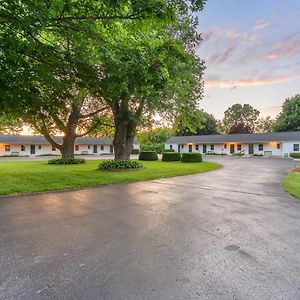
204	148
178	149
32	149
250	149
111	149
95	149
190	148
232	149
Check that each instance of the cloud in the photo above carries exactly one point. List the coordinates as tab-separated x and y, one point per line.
233	84
246	58
261	25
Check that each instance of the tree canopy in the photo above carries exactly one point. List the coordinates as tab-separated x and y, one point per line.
202	123
68	66
240	119
289	118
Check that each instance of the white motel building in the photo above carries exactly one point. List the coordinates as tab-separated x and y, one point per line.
268	144
38	145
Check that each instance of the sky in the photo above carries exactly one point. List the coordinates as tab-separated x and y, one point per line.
251	50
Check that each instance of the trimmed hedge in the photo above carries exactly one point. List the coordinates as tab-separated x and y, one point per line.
191	157
295	155
148	155
168	150
66	161
171	156
110	165
135	151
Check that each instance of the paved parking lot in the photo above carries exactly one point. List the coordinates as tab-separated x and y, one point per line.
227	234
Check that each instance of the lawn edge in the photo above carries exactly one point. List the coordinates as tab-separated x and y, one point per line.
218	166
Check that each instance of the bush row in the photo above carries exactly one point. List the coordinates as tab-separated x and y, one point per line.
66	161
120	165
295	155
171	156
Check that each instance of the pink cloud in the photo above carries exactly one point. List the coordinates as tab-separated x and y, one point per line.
246	82
261	25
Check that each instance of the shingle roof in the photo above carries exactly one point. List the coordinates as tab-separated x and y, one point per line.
231	138
37	139
40	140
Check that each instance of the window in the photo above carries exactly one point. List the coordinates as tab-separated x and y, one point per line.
171	147
182	146
76	147
278	146
239	147
260	147
53	148
212	147
197	147
40	147
7	147
89	146
23	148
225	146
296	147
102	147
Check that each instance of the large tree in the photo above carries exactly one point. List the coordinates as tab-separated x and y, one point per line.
66	63
289	118
9	125
154	139
202	123
240	119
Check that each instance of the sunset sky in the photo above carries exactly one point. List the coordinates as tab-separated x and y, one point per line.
252	53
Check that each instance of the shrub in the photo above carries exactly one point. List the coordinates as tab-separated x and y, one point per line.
295	155
191	157
135	151
168	150
259	155
66	161
171	156
214	153
110	165
158	148
148	155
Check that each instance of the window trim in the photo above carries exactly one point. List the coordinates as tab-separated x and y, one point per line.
295	146
212	147
7	148
23	148
260	147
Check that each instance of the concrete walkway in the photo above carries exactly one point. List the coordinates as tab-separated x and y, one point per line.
227	234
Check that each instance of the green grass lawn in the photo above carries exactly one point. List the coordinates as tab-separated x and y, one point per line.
26	177
291	184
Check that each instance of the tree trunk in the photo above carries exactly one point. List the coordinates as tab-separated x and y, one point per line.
123	139
67	150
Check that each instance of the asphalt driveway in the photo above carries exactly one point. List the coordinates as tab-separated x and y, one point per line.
227	234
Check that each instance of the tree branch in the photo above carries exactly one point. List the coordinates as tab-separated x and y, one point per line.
92	128
93	113
95	18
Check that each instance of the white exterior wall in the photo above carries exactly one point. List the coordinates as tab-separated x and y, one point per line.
268	147
288	147
47	149
14	149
